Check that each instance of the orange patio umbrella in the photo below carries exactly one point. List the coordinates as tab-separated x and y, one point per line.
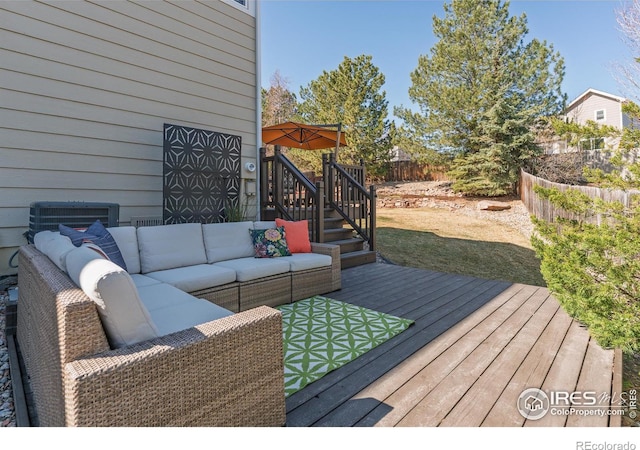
308	137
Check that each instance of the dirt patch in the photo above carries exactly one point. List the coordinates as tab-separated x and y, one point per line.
439	194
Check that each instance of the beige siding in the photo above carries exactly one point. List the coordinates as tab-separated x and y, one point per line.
85	88
586	110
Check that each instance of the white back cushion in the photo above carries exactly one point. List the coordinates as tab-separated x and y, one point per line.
168	246
124	317
127	240
264	224
224	241
55	246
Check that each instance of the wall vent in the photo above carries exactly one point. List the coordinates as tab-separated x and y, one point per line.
146	221
47	215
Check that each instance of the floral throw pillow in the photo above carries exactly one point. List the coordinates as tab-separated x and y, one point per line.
270	243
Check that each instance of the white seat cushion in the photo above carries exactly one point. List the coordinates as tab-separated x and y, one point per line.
248	269
55	246
169	246
195	278
306	261
142	280
174	310
224	241
125	318
127	240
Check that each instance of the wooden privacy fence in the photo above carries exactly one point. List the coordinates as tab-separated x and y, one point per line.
414	171
544	209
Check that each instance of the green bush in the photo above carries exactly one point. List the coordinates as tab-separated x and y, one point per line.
594	270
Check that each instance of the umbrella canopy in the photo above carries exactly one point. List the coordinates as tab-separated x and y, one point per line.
299	135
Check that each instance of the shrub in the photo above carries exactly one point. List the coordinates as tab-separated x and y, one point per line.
594	270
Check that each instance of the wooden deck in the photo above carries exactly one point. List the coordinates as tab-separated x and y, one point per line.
475	346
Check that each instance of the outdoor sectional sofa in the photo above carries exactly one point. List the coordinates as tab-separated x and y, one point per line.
186	336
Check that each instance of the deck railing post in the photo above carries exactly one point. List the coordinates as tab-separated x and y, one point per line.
264	181
278	180
372	220
319	213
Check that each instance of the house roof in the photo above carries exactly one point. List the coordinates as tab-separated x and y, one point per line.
591	91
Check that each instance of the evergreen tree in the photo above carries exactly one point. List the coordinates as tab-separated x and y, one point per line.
480	93
351	95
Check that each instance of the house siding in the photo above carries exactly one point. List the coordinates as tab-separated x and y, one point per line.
585	110
86	87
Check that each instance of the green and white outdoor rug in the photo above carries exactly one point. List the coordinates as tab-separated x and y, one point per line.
322	334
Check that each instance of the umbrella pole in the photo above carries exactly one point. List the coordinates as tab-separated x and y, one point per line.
338	140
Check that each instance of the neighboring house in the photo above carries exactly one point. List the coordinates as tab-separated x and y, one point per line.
600	107
86	89
398	154
596	106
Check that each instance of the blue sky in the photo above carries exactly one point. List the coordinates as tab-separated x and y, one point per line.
301	38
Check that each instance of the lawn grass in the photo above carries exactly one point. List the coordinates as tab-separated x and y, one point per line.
445	241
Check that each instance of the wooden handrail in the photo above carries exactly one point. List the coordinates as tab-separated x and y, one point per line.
293	196
346	194
285	189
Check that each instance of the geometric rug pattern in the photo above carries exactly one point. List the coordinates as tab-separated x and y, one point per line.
321	334
201	174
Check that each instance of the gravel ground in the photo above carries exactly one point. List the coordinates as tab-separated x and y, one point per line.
7	412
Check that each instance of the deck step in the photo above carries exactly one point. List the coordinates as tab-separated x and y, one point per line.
358	258
333	222
349	245
337	234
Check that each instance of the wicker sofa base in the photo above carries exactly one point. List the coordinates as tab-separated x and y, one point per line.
270	291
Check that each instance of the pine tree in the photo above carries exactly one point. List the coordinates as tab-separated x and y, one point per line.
352	95
480	93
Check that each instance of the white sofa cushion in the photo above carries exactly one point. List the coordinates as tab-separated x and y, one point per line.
248	269
306	261
195	278
224	241
169	246
55	246
264	224
174	310
142	280
124	317
127	240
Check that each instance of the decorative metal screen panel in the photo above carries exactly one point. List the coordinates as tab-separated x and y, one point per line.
201	173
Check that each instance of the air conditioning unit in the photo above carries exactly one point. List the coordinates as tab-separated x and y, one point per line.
48	215
146	221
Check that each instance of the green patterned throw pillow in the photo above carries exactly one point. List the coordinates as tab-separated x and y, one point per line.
270	243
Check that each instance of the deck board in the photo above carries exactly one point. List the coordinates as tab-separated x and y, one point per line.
531	372
474	347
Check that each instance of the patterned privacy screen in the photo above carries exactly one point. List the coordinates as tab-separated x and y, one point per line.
201	174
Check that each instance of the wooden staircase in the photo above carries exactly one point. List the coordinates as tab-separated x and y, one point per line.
353	249
339	209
